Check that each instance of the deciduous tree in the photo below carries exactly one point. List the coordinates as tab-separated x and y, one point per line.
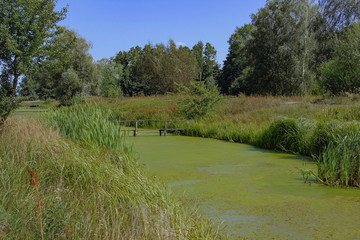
25	26
342	73
282	48
340	13
237	62
67	58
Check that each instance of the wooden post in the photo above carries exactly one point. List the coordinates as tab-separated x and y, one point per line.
136	129
165	128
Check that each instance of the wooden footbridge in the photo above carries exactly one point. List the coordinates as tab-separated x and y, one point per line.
166	126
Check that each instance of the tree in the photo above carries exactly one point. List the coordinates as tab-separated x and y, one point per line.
211	68
160	67
7	102
29	88
340	14
333	18
282	48
68	86
24	28
206	60
199	99
342	73
67	58
128	60
237	63
111	76
198	51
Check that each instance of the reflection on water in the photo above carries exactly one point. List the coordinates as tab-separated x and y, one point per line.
258	194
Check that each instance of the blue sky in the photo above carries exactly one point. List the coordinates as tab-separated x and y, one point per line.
112	26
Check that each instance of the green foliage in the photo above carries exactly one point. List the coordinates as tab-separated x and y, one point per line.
29	88
342	73
111	77
199	100
281	51
128	59
237	65
340	13
7	102
25	26
206	59
67	71
7	105
156	69
69	85
159	68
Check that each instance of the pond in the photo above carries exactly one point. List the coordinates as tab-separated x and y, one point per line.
257	194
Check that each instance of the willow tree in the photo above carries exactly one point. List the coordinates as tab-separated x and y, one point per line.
68	69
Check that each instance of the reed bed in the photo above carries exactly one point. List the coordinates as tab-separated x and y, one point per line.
88	185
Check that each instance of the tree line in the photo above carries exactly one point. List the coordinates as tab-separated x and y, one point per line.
69	70
295	47
290	47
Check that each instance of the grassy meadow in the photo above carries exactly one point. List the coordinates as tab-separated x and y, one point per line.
325	129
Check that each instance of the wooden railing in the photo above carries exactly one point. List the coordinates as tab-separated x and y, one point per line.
162	131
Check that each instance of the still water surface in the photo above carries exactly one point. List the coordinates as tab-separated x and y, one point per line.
257	194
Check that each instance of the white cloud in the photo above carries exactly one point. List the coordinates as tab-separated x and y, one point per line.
180	44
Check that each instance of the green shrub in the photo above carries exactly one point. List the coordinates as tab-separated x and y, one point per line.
343	73
7	105
199	99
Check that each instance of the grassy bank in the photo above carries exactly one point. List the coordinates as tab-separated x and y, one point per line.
324	129
79	180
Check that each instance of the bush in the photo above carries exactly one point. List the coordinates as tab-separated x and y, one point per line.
69	87
7	105
343	73
199	99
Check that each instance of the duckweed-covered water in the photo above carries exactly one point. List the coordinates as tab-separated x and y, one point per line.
257	194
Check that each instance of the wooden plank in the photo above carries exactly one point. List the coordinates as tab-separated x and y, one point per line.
153	121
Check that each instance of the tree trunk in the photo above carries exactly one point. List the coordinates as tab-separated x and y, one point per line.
16	79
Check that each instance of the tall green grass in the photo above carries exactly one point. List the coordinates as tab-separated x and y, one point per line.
90	186
339	163
91	125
